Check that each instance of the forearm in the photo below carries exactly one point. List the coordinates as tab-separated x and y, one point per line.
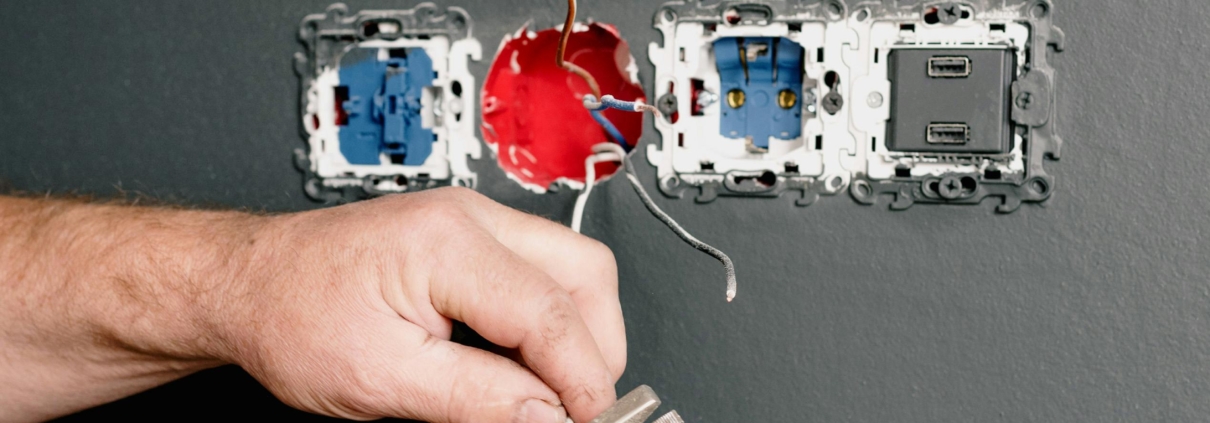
101	301
344	311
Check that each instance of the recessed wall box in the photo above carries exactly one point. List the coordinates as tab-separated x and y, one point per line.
388	101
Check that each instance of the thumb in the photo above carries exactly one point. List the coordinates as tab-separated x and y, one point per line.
440	381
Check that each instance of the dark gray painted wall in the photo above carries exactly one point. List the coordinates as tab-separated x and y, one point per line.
1095	307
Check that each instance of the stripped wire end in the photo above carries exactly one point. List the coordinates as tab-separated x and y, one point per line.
649	108
609	102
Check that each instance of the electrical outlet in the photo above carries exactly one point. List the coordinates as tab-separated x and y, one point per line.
745	91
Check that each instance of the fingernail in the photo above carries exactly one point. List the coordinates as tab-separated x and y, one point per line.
538	411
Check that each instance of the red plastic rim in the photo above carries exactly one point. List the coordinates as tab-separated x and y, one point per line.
533	113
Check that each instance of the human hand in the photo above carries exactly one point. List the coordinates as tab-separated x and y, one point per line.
345	311
350	310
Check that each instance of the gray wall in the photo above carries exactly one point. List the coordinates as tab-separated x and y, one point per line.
1094	307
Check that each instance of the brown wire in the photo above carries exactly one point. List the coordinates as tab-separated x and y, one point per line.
563	63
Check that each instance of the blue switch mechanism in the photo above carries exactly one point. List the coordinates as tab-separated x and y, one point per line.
754	72
383	106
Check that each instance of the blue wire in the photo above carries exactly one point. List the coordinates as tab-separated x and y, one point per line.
608	102
611	130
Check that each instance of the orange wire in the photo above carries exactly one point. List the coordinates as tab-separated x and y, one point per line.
563	63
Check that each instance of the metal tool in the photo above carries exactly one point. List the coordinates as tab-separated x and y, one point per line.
636	407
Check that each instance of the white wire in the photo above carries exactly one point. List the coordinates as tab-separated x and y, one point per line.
613	152
604	152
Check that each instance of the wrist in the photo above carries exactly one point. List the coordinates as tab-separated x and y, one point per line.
105	301
229	313
175	282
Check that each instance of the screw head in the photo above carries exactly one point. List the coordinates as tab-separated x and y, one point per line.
667	104
833	102
950	188
875	100
787	99
1024	100
736	98
950	13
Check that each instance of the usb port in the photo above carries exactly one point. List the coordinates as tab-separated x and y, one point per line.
949	133
949	67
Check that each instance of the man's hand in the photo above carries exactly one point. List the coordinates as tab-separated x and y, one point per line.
345	311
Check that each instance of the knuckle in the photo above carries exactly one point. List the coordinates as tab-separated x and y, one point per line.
557	314
598	250
434	211
599	260
438	219
459	193
602	257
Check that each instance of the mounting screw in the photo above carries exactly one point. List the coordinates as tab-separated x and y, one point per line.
949	13
835	10
1024	100
950	188
833	102
874	100
667	104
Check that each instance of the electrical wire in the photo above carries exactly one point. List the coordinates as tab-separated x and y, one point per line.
728	265
601	153
607	152
560	57
610	130
608	102
612	152
595	107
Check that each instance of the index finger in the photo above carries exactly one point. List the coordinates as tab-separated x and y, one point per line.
583	266
513	304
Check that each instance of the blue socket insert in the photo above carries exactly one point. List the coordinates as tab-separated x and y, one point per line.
378	104
761	88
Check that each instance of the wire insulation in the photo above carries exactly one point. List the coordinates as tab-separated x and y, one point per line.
610	130
560	57
601	154
618	153
609	102
612	152
676	228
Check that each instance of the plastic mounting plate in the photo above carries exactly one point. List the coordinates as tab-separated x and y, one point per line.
693	154
847	99
448	105
954	174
